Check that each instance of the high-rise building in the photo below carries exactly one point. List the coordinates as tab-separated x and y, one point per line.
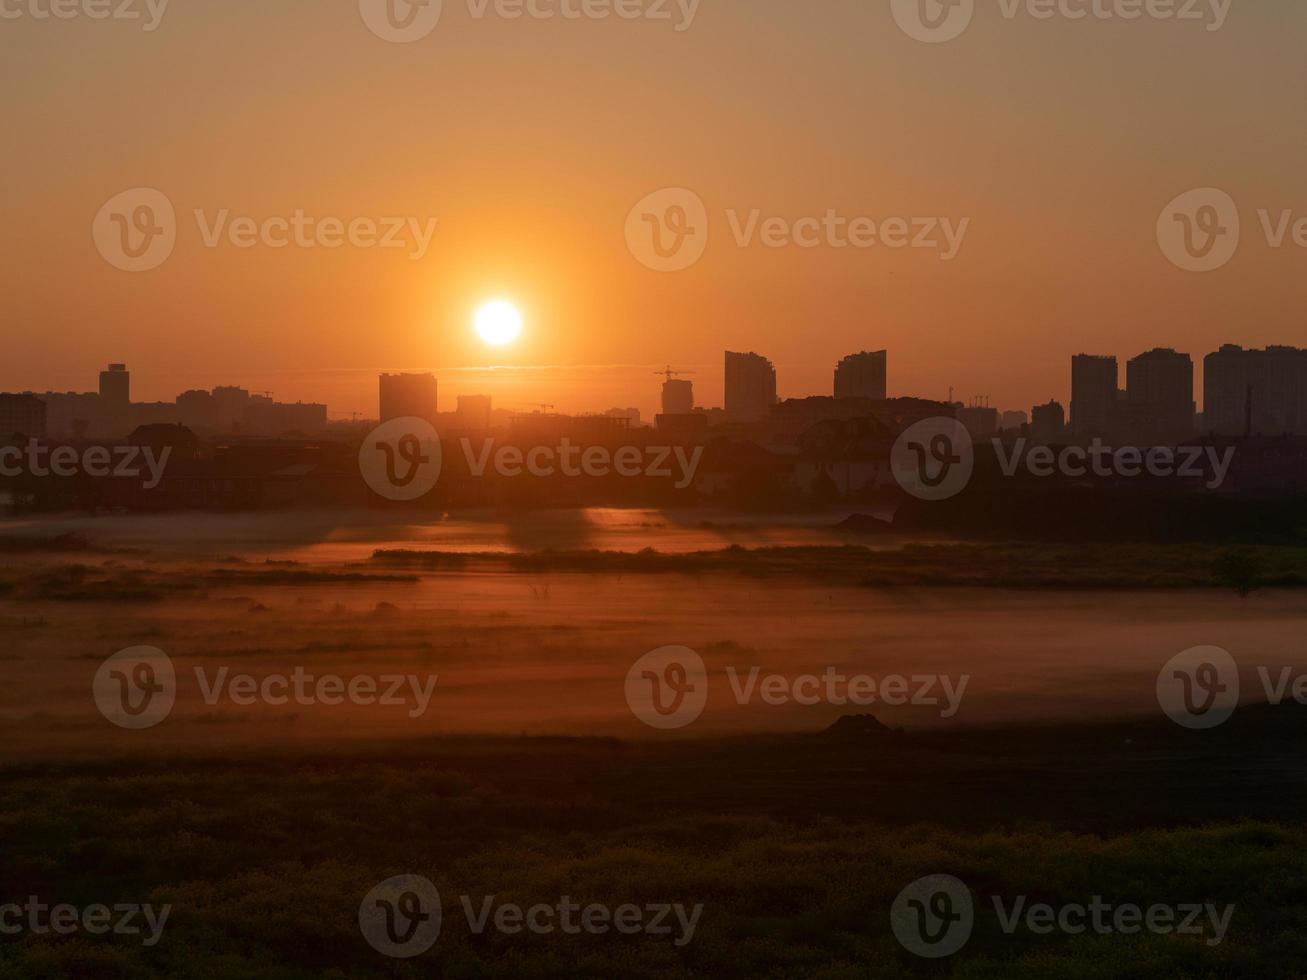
1160	397
408	396
750	387
115	389
678	397
474	411
1255	392
1048	423
862	375
1093	394
23	414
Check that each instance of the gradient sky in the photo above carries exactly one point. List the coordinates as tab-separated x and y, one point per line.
530	141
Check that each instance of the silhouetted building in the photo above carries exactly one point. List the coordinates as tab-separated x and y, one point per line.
474	411
277	418
181	442
408	396
1012	420
1048	423
1093	394
197	408
1255	392
750	387
229	405
678	397
22	415
115	389
980	421
862	375
1160	397
683	425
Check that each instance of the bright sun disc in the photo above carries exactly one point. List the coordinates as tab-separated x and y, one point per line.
498	323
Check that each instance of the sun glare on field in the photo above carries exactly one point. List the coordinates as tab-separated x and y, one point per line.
498	323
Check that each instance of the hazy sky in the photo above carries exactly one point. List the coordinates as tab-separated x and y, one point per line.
1060	141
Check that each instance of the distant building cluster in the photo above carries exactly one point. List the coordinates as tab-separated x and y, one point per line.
1246	393
233	448
110	412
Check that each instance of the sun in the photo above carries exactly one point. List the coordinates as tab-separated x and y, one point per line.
498	323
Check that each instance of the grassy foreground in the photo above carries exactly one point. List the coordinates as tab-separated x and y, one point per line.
795	847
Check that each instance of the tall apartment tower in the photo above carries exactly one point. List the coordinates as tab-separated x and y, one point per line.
474	411
678	397
750	387
1160	396
408	396
1255	392
1093	394
115	388
862	375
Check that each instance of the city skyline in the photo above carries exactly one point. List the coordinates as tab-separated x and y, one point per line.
1166	386
532	207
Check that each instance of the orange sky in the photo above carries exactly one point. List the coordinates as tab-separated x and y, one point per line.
529	140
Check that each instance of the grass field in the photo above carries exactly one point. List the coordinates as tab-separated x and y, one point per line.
795	848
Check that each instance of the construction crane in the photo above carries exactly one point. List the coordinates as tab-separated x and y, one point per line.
669	374
540	405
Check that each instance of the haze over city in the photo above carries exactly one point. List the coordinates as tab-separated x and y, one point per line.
688	489
530	174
